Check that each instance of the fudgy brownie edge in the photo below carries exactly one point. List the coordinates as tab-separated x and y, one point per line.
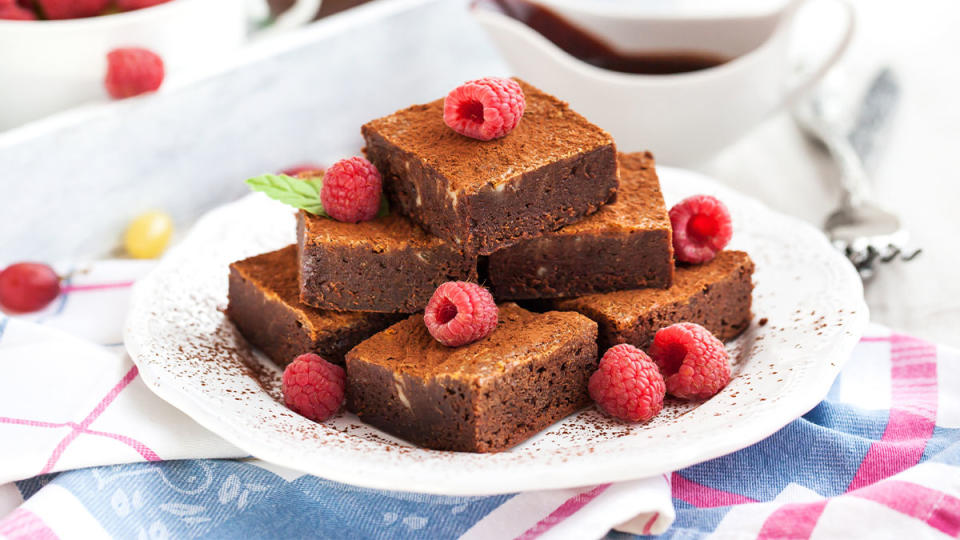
474	398
263	303
716	295
388	266
625	245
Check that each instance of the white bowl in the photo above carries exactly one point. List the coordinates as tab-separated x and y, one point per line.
47	66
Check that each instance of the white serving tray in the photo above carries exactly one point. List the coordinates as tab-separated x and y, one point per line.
70	183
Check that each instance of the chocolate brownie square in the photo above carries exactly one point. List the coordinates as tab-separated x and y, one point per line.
483	397
264	304
553	169
715	294
387	265
625	245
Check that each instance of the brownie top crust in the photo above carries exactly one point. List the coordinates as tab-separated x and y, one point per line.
392	231
639	204
548	132
688	279
408	348
275	273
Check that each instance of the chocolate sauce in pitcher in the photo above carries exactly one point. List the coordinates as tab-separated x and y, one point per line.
597	52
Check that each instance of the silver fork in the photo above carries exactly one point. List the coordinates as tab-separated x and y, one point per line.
859	227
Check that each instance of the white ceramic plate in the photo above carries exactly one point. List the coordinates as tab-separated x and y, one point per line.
191	356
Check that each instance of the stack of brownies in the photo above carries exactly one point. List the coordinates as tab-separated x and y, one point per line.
549	216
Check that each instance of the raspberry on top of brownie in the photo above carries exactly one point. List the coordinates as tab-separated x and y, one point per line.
551	170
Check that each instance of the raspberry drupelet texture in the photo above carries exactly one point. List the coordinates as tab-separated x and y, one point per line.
693	361
313	387
701	228
484	109
72	9
627	384
351	190
460	312
133	71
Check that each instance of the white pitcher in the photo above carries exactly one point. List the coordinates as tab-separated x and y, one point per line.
683	118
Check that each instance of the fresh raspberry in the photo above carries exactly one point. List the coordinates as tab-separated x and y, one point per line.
351	190
313	387
460	312
309	169
693	361
484	109
133	71
130	5
14	12
72	9
627	384
701	228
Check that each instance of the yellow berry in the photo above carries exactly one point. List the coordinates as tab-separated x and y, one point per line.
148	235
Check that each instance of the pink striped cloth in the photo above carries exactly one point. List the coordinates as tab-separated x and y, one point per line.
880	457
70	397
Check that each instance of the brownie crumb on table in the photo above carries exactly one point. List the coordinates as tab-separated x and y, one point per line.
264	304
715	294
625	245
487	396
387	265
553	169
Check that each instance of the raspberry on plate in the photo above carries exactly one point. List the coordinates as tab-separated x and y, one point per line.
133	71
693	361
72	9
313	387
627	384
460	312
484	109
351	190
701	228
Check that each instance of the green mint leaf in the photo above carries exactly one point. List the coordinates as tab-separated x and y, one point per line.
298	193
384	207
